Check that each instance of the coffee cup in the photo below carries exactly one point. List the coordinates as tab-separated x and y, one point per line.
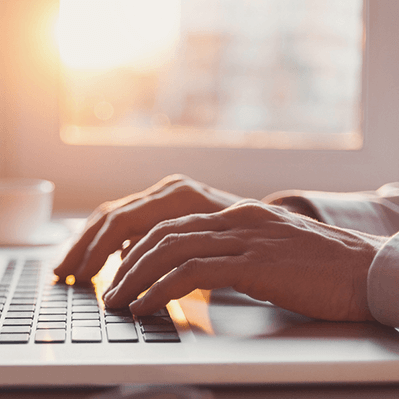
25	206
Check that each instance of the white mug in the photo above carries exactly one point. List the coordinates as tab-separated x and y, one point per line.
25	206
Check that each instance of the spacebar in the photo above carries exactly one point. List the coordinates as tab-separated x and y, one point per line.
121	332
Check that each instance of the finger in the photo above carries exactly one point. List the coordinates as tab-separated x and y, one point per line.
209	273
186	224
156	188
74	257
126	249
129	244
135	218
173	251
108	240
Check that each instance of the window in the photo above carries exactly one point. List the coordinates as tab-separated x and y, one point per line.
86	175
218	73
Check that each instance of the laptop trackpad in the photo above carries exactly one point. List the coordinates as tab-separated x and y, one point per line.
225	312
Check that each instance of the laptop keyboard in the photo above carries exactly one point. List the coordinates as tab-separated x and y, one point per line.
33	309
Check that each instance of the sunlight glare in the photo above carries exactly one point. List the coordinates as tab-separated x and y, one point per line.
101	34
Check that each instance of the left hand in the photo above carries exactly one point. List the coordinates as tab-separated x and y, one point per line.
130	218
264	251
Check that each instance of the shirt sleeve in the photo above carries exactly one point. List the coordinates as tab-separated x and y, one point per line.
373	212
383	284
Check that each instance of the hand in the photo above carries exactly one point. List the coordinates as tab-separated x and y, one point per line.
264	251
130	218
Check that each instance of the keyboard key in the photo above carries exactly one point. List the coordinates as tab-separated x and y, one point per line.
28	279
161	312
155	320
33	263
86	296
28	272
11	264
86	323
53	311
21	308
119	319
56	297
49	325
52	317
31	271
17	322
158	328
161	337
23	301
117	312
84	302
27	287
84	309
14	338
57	286
24	294
19	315
15	329
54	290
85	316
121	332
83	289
86	334
50	336
54	304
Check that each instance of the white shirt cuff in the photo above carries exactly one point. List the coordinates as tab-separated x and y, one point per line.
383	284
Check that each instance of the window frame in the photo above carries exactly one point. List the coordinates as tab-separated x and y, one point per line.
85	176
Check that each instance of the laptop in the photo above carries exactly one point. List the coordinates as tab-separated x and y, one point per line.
55	334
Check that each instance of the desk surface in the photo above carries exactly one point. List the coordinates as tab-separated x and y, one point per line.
233	392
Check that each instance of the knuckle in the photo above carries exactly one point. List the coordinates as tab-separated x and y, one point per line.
115	220
253	212
178	177
183	187
102	208
180	189
169	240
246	210
100	213
191	269
163	226
161	229
158	289
246	201
105	208
184	184
174	178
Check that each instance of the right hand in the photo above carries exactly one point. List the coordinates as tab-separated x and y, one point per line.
129	219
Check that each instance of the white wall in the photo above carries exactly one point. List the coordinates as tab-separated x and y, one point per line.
3	130
86	176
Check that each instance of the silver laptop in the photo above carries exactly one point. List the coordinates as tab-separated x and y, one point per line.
58	335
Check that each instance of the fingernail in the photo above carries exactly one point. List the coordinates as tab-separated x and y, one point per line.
108	296
106	291
135	306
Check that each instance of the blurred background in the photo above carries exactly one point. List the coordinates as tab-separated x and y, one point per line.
166	68
105	97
